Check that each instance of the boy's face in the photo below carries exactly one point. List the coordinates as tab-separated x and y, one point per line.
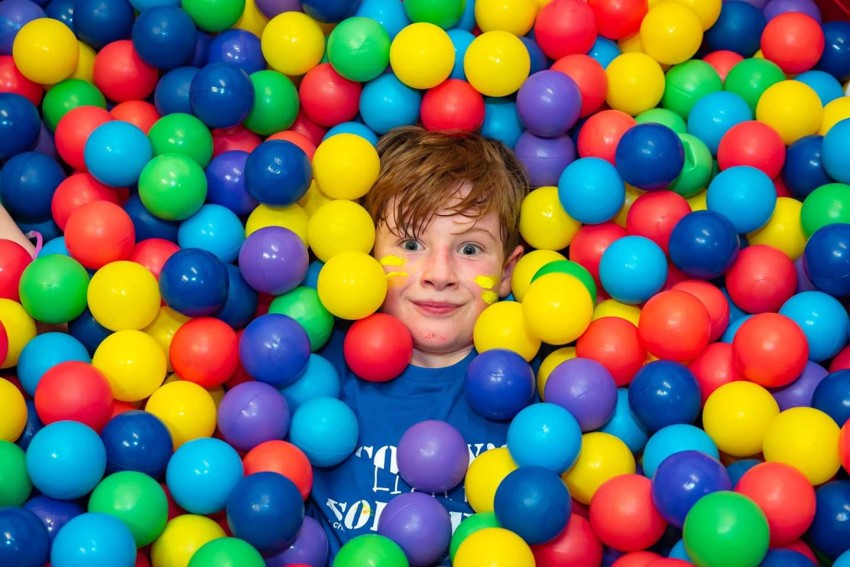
441	281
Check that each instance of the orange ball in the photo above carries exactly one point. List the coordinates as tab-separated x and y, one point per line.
674	325
589	76
140	113
283	458
152	253
297	138
205	351
72	131
713	300
600	134
77	190
615	344
770	349
99	232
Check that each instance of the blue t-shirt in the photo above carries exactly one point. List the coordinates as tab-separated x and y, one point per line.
348	499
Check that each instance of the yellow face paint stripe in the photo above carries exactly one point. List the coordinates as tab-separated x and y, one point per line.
392	261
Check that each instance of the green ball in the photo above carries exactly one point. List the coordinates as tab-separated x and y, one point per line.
184	134
137	500
372	550
276	103
726	529
214	15
15	485
749	78
698	170
572	268
665	117
67	95
686	83
443	13
359	49
469	526
227	552
172	186
303	305
53	288
828	204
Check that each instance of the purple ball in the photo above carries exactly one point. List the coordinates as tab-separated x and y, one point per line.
226	183
14	14
586	389
273	260
498	384
432	456
251	413
545	158
309	548
803	281
53	513
549	103
775	7
420	525
271	8
799	393
274	349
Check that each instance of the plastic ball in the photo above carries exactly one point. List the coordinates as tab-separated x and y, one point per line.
704	244
544	435
822	321
824	260
453	105
28	182
44	40
804	438
833	58
181	133
635	83
136	441
497	547
14	259
713	115
663	393
591	190
94	537
273	260
830	394
19	330
65	460
352	285
226	182
330	11
345	166
276	103
284	458
76	391
386	103
496	63
828	530
421	55
164	37
752	144
623	514
761	279
274	349
265	509
649	156
186	409
737	415
359	48
370	548
671	32
226	550
564	27
303	305
601	133
134	498
590	78
194	282
544	158
221	95
744	195
327	98
686	83
378	348
791	108
309	547
98	233
543	222
674	439
800	391
468	526
553	294
120	73
76	190
498	384
632	269
794	41
340	225
770	349
204	350
15	410
202	473
783	231
432	456
419	524
53	288
654	215
577	543
292	43
325	429
603	457
540	94
684	478
116	152
534	503
183	536
830	153
53	513
738	29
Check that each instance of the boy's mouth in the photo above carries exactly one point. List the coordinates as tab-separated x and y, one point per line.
435	307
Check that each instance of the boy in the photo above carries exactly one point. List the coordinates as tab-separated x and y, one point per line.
446	208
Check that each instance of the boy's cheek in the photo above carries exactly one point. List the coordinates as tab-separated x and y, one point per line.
488	284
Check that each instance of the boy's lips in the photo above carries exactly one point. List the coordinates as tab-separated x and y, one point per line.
435	307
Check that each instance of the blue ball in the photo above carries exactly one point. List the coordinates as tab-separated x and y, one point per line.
202	46
319	378
823	320
704	244
388	13
534	503
45	351
142	5
461	40
354	127
94	539
66	460
843	560
664	393
737	29
274	349
31	427
213	228
501	121
55	246
591	190
544	435
25	542
226	183
116	152
832	396
172	91
148	225
604	51
737	469
467	19
62	10
99	22
221	95
238	47
678	551
137	441
683	478
46	228
54	514
311	279
88	331
830	530
674	439
387	103
202	473
242	299
624	425
835	59
13	15
20	125
539	61
498	384
744	195
325	429
803	171
278	173
650	156
266	510
27	183
834	151
330	10
732	329
194	282
825	85
633	269
785	558
715	113
165	37
826	259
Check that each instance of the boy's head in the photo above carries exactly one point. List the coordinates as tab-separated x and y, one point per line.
446	207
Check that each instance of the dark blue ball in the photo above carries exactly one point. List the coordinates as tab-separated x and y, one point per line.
274	349
241	301
172	91
53	513
137	441
498	384
830	530
785	558
826	259
226	183
650	156
835	59
20	125
832	396
277	172
237	47
23	538
683	478
803	171
62	10
266	510
194	282
148	225
32	426
330	10
164	37
703	245
737	469
221	95
27	183
534	503
88	331
663	393
98	22
737	29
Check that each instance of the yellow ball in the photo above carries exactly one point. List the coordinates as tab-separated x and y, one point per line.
632	193
186	409
496	63
20	329
791	108
527	266
513	16
557	308
613	308
252	19
783	231
133	363
13	412
352	285
549	363
494	547
671	33
544	223
85	63
485	474
181	538
124	295
706	10
699	201
45	51
339	226
602	457
635	83
502	325
292	43
736	416
631	44
807	439
163	327
346	166
422	55
834	112
293	217
313	199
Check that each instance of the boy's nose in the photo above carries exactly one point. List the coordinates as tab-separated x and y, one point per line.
438	270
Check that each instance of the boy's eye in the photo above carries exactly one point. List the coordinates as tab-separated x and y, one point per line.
470	249
410	245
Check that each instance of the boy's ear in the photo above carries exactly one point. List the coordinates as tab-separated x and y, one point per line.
508	270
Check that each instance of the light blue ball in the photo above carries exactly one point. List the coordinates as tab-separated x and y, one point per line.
843	560
714	114
678	552
633	269
674	439
744	195
624	425
467	19
732	328
823	320
834	151
213	228
387	103
312	277
94	540
201	474
461	40
544	435
501	121
66	460
604	50
55	246
326	430
388	13
319	379
43	353
116	152
356	128
591	190
825	85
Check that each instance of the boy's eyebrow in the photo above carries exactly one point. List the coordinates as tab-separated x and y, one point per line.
475	229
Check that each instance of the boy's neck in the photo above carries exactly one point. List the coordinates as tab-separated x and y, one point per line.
438	360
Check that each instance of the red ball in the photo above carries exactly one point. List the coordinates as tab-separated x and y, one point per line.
600	134
4	342
327	97
674	325
565	26
13	81
378	348
99	232
576	546
452	105
713	367
844	446
636	559
75	391
668	562
794	41
801	547
234	138
623	514
786	497
770	350
307	127
14	259
120	73
119	407
283	458
614	343
655	214
723	61
590	78
75	191
152	253
590	242
761	279
72	131
841	360
618	19
297	138
752	143
713	300
137	112
205	350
